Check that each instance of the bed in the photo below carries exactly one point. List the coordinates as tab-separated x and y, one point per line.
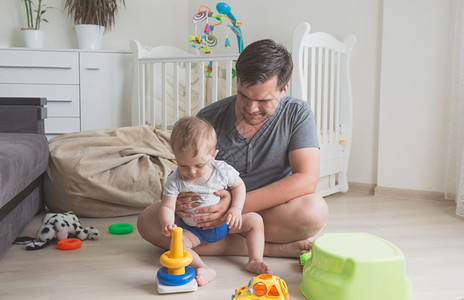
170	83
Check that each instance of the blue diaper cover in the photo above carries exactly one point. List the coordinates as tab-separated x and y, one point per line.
209	235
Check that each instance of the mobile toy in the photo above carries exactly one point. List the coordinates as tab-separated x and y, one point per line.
206	40
176	276
263	286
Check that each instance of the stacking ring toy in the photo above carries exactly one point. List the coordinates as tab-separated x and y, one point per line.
69	244
120	228
165	278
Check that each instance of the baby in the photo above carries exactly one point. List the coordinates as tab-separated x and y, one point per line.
193	141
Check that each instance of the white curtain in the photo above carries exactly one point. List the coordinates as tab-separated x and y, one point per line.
455	161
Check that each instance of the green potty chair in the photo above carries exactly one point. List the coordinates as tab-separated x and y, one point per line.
355	266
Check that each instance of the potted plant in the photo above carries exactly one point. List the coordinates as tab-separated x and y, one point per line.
91	19
33	36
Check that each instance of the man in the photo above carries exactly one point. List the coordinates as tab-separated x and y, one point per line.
271	139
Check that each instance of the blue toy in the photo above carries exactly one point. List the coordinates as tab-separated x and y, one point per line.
176	276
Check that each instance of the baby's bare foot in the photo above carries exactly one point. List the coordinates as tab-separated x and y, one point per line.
204	275
292	249
257	266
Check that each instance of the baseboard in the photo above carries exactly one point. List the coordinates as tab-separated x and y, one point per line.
406	193
364	188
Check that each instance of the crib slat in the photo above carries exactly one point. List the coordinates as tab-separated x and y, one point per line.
214	96
176	90
188	89
163	97
201	84
142	99
229	78
150	94
332	137
319	93
312	98
337	98
305	75
325	97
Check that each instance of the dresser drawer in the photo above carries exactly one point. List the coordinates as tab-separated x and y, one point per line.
62	100
26	66
56	126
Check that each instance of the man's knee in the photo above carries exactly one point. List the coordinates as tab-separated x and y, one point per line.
313	214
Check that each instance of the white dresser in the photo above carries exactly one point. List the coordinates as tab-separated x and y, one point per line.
85	89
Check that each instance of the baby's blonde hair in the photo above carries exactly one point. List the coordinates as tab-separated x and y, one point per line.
191	133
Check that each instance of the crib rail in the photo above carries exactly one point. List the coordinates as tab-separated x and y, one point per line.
321	77
168	88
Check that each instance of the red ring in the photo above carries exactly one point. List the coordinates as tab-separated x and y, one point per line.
69	244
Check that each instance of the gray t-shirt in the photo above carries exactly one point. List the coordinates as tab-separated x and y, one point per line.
263	159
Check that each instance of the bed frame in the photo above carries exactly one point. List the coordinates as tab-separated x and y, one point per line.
170	83
321	77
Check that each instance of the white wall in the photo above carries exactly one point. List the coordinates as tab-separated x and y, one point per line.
152	22
414	94
407	150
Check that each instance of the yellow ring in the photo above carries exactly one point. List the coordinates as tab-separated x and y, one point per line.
173	263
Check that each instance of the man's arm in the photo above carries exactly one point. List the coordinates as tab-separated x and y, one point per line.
304	164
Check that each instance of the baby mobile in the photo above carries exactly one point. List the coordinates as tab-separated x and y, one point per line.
205	41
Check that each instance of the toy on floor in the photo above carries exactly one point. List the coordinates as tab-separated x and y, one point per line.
263	286
69	244
120	228
59	226
176	276
303	259
353	266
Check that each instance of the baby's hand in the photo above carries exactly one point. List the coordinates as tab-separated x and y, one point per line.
166	231
234	218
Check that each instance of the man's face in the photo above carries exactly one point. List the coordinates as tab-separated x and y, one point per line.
257	103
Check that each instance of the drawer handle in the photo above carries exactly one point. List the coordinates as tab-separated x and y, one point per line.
58	100
93	68
37	67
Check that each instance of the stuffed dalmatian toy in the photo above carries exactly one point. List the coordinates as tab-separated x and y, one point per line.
59	226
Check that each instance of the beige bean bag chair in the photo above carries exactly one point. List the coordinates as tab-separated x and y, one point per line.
108	172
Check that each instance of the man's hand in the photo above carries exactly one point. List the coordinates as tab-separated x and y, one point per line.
184	202
217	213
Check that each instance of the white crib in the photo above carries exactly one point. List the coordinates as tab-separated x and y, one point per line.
321	76
170	83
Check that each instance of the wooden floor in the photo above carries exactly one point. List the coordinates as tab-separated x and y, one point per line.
428	232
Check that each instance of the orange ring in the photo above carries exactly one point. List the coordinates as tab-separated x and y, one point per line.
69	244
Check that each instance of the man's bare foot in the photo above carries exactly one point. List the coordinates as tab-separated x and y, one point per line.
292	249
257	266
204	275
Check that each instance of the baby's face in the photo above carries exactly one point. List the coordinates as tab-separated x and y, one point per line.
196	169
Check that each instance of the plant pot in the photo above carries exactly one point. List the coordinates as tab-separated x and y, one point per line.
33	38
89	36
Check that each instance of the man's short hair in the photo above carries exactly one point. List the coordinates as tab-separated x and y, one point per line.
191	133
262	60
